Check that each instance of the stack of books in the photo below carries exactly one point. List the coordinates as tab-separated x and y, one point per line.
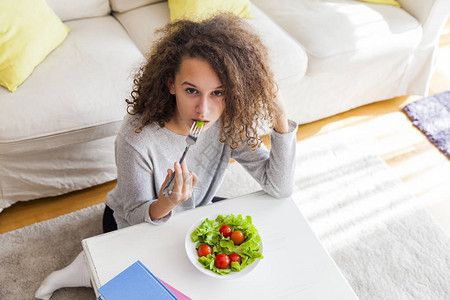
137	282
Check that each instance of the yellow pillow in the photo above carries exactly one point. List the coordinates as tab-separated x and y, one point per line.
390	2
201	9
29	31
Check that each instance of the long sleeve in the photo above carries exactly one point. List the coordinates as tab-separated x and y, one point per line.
135	190
273	170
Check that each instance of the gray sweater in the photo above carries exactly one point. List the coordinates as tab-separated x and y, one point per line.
142	161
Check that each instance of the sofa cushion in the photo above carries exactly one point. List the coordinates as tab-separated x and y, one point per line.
76	95
124	5
202	9
339	33
73	9
29	32
288	58
388	2
141	23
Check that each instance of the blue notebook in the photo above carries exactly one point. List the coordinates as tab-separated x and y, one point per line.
135	282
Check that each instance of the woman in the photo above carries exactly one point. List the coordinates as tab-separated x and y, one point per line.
215	71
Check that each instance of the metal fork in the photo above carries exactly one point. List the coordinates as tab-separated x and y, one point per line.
190	140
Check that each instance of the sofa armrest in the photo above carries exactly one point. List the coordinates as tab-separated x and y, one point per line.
431	14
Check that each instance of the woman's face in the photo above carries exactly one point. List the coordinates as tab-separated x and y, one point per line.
199	95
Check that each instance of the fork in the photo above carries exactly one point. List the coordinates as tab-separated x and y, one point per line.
192	137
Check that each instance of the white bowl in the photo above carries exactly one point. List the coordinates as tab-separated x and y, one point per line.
193	256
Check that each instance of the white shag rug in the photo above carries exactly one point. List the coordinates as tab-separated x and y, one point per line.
383	241
385	244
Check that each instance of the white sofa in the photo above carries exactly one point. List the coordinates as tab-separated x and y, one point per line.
57	129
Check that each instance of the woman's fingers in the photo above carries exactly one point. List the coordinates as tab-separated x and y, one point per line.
194	179
177	188
187	185
185	182
184	167
169	174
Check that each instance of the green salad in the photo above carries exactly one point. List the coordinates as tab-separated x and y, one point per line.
227	244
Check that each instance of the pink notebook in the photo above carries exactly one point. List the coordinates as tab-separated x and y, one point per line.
174	291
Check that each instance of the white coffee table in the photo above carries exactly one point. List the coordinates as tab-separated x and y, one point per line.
295	264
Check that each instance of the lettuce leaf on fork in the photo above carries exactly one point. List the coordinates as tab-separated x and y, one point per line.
199	124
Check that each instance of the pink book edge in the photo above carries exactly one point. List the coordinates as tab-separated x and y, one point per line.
174	291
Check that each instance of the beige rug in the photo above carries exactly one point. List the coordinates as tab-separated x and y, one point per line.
385	244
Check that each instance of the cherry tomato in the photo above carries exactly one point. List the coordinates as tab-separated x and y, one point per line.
204	250
222	261
225	230
234	257
237	237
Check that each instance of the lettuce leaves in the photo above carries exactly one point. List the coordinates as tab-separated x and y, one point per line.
199	124
208	233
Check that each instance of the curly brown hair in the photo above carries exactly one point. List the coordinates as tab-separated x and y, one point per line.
240	60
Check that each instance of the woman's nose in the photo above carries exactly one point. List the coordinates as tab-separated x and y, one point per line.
202	106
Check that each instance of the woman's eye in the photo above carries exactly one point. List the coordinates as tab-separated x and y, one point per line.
218	93
191	91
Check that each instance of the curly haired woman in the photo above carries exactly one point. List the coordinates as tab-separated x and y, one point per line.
216	71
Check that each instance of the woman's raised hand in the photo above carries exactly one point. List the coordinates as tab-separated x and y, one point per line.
185	181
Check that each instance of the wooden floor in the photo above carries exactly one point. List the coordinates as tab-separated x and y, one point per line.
423	168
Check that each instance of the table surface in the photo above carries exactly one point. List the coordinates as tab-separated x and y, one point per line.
295	264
